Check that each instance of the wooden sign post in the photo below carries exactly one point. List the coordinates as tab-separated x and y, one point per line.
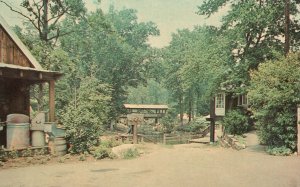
133	121
212	120
298	127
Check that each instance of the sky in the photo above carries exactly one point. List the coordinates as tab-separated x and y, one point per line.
169	15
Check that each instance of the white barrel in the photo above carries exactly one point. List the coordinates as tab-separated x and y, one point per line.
17	135
37	138
17	118
58	146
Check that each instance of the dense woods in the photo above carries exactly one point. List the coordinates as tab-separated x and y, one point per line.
107	61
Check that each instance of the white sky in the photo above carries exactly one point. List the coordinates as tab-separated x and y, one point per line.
169	15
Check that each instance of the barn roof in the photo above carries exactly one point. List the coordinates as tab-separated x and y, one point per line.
20	44
138	106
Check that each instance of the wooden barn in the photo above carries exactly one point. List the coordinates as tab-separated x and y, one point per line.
18	71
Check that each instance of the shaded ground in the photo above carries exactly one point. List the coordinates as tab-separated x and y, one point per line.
181	165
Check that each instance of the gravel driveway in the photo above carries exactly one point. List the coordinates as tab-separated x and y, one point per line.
175	166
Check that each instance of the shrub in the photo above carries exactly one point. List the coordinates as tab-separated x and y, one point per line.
131	153
236	122
101	152
85	119
279	151
274	93
169	121
110	143
194	126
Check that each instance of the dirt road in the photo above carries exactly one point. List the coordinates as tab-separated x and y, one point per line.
178	166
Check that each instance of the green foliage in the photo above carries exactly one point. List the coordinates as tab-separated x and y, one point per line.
131	153
236	122
275	93
13	154
56	11
110	143
115	45
195	126
279	151
195	64
152	93
86	117
169	120
255	29
102	151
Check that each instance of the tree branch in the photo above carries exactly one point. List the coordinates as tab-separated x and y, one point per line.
25	16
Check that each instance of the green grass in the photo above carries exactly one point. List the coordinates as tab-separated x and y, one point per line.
131	153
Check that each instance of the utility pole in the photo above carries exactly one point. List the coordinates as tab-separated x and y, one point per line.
287	28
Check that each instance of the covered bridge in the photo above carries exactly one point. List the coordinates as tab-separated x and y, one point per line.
149	111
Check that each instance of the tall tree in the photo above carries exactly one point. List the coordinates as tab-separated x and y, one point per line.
45	15
256	29
118	52
195	63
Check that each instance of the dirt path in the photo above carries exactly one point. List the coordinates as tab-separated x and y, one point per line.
177	166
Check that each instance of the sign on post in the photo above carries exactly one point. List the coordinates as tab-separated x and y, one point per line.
133	121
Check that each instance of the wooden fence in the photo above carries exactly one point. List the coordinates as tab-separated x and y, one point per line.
159	137
183	138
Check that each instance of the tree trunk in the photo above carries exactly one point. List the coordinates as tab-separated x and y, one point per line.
45	23
181	110
190	108
287	27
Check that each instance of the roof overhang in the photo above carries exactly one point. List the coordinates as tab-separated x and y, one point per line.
151	107
29	74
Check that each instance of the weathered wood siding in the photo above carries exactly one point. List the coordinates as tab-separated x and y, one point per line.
10	53
14	98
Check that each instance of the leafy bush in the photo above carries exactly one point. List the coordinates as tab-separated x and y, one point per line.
110	143
236	122
131	153
101	152
194	126
85	119
279	151
275	93
169	121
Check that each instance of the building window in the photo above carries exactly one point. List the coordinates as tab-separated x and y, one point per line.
242	100
220	101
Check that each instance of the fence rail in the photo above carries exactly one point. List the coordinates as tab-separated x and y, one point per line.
168	138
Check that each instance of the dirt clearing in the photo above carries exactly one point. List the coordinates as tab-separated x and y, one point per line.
175	166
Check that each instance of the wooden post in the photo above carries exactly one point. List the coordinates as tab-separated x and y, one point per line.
212	120
51	101
134	120
134	130
298	127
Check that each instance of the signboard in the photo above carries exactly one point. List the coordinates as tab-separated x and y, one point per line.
135	119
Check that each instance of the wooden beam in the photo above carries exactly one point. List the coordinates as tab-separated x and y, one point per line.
52	101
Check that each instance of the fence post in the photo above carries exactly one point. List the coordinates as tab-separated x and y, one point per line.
164	139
